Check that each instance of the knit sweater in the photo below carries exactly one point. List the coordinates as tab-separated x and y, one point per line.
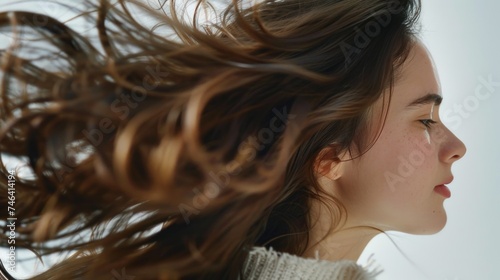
266	264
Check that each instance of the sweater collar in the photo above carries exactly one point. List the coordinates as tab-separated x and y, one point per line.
267	264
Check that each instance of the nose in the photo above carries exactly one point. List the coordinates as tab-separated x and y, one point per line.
452	149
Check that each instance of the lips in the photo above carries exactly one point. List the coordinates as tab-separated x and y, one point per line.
447	182
442	189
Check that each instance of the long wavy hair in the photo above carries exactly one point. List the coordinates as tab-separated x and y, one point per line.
170	151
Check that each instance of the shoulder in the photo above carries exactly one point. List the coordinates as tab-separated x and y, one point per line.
267	264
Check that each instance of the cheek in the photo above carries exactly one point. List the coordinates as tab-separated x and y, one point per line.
395	171
399	162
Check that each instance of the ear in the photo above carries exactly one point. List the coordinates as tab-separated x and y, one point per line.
328	163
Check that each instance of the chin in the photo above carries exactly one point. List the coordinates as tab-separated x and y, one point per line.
438	223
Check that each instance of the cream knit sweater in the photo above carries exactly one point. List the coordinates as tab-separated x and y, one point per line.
267	264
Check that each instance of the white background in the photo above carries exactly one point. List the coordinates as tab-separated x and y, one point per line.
463	38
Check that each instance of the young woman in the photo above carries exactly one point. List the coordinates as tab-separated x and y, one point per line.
272	142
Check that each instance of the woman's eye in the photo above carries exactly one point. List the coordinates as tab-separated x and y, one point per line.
428	122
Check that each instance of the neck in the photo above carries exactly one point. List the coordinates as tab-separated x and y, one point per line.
342	244
331	241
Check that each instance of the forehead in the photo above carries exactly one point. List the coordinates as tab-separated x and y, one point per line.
418	76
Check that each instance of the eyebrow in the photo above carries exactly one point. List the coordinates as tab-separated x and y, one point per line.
427	99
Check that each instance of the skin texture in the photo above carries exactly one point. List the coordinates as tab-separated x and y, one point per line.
391	187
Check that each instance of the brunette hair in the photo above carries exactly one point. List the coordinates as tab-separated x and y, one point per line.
178	148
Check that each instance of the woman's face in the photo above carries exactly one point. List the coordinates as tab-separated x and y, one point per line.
393	185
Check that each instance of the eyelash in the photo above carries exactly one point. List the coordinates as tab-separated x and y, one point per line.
428	122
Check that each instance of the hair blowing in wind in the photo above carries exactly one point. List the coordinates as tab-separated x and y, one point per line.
170	151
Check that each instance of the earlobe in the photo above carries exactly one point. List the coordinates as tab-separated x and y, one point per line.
335	170
328	163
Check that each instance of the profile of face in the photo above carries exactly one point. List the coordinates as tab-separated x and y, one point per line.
398	183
